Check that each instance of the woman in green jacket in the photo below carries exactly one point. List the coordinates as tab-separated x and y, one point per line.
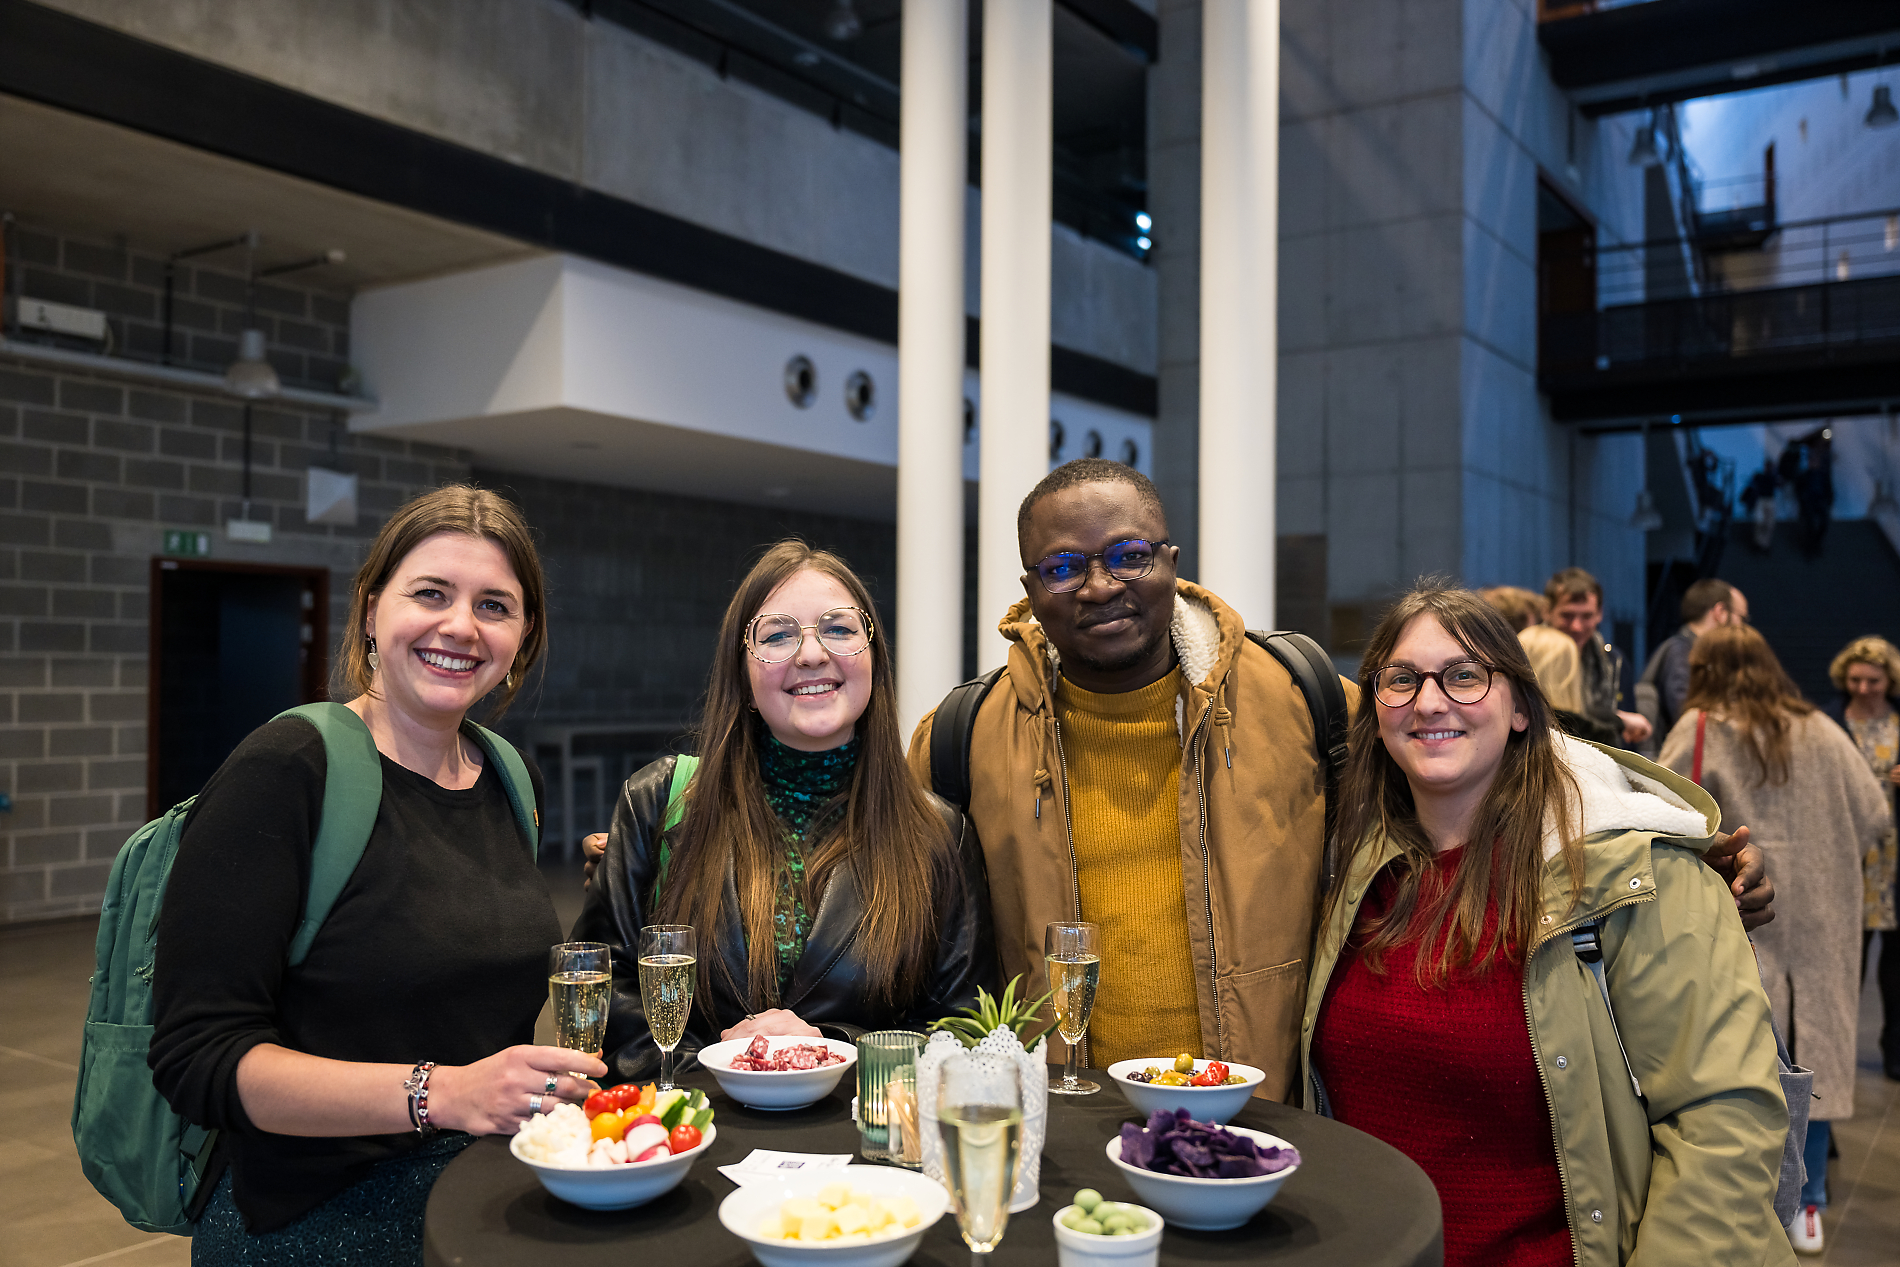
1456	1009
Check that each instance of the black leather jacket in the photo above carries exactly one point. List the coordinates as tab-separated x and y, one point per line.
828	985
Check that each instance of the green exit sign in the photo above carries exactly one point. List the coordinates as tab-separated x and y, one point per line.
191	545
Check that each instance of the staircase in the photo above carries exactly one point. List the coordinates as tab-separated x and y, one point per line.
1809	608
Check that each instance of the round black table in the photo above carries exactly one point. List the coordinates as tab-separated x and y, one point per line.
1355	1202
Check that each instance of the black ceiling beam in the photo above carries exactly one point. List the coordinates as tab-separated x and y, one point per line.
72	64
1673	50
1765	388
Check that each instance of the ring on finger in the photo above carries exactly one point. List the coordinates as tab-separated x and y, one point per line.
549	1089
534	1104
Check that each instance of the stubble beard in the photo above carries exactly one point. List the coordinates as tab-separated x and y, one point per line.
1123	663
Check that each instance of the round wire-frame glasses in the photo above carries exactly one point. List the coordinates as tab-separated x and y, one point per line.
1462	681
1124	561
774	637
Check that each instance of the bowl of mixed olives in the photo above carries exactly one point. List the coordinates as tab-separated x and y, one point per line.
1097	1233
1210	1090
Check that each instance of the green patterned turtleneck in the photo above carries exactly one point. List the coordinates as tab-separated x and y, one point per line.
798	785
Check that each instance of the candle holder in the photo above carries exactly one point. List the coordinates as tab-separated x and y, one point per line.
880	1054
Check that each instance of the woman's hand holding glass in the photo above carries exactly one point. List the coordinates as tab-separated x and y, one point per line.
774	1022
494	1096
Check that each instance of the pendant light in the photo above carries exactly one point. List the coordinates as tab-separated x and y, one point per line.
842	23
1882	114
1645	518
1643	153
251	376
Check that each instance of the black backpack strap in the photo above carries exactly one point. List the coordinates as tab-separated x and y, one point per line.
951	733
1318	680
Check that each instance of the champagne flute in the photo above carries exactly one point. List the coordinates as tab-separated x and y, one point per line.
669	960
1073	953
980	1115
580	981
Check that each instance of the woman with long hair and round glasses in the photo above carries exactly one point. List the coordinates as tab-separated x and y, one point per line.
1506	890
830	892
1772	760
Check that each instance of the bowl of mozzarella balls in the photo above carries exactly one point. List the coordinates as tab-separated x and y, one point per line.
1092	1232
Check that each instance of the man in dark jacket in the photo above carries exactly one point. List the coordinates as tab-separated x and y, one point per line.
1706	605
1576	607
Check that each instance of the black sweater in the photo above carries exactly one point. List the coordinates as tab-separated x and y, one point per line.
435	950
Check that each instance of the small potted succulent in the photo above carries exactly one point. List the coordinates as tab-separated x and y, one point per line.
1003	1030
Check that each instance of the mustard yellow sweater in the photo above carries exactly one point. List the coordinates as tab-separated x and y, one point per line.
1122	756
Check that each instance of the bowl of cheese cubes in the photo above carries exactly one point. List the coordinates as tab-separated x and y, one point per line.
855	1216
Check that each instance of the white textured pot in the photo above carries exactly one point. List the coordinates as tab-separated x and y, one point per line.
1003	1046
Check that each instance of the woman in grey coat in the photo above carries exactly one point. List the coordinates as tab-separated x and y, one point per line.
1773	762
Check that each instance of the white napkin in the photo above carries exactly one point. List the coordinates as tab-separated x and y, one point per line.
763	1164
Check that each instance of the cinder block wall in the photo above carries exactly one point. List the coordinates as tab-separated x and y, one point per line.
93	469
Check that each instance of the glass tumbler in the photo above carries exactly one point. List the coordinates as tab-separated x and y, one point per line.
880	1054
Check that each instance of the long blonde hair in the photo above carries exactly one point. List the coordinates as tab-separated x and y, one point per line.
1559	668
1503	860
884	828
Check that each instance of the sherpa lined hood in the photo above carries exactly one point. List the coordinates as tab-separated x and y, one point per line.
1625	793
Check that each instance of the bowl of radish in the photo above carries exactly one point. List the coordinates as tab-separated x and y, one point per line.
625	1147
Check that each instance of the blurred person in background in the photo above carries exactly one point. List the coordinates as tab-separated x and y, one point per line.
1559	670
1451	1015
1576	608
1708	604
1867	675
1772	761
1519	607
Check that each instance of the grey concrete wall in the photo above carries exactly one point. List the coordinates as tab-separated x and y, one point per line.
537	83
93	469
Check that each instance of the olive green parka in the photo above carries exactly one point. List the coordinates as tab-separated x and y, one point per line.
1686	1174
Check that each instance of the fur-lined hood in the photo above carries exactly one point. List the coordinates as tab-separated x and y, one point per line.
1619	791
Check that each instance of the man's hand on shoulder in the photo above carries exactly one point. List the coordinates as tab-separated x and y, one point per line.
1745	869
593	849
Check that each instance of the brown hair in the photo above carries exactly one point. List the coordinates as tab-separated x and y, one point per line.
1503	859
884	827
1872	650
471	512
1519	606
1734	675
1572	585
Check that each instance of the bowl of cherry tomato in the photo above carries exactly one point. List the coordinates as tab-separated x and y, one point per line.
1210	1090
625	1146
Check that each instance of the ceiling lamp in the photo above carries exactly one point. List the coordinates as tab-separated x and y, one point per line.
1645	518
1882	114
251	376
1643	153
842	22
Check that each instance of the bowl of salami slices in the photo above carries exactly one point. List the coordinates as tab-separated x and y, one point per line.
778	1073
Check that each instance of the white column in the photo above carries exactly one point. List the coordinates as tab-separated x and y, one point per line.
1240	225
934	172
1018	135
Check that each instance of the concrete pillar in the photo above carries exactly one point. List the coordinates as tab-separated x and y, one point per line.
933	172
1240	225
1018	139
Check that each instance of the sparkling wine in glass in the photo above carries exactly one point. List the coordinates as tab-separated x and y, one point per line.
669	960
1073	953
580	981
980	1115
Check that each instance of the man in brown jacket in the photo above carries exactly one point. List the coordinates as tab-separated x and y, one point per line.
1200	856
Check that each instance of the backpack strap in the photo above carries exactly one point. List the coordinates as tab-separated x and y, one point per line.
1312	670
1588	943
352	792
951	734
515	781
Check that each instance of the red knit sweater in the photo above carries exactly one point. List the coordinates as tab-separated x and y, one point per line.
1447	1077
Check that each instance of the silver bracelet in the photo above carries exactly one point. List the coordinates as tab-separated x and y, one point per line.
417	1085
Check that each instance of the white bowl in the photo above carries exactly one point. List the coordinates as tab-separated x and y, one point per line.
1204	1104
1082	1249
791	1089
1205	1205
743	1210
616	1187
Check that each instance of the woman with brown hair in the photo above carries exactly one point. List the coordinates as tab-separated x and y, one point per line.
343	1080
1507	890
1772	761
830	892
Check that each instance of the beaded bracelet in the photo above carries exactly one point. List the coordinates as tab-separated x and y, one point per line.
417	1085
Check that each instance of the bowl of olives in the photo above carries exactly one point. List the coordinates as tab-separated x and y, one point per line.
1210	1090
1097	1233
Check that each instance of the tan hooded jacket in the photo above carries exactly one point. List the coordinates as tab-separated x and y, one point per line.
1252	816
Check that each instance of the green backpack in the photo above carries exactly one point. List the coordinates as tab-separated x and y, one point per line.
138	1153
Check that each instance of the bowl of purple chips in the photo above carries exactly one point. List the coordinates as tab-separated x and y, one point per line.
1198	1175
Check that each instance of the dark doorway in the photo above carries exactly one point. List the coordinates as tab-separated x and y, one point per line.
1566	284
233	645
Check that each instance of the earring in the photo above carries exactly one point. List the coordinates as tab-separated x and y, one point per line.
509	681
375	661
